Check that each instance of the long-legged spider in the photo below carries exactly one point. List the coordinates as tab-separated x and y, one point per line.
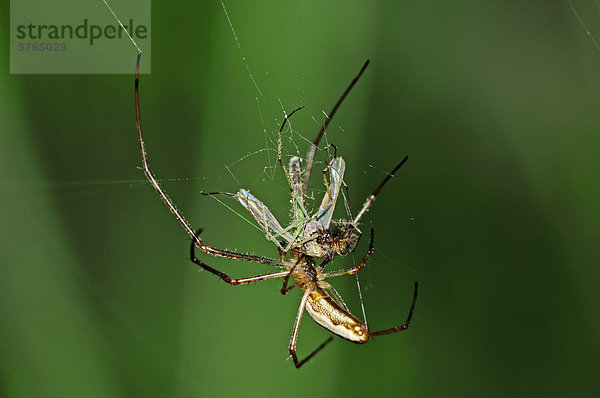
320	299
311	233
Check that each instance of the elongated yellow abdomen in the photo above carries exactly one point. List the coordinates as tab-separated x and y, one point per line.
327	313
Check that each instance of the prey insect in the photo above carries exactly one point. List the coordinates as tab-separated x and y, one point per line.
307	238
308	233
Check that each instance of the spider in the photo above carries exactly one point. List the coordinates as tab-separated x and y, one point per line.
320	298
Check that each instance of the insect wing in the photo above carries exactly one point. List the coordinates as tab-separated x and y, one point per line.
263	216
337	169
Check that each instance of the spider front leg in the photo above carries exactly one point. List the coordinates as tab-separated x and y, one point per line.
225	277
167	201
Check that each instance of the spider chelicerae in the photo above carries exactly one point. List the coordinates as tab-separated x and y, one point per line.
308	237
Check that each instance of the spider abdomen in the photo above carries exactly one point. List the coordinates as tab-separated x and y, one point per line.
327	313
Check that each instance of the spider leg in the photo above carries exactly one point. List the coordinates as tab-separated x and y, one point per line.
372	197
237	256
285	289
294	339
401	327
225	277
354	270
201	245
313	148
325	262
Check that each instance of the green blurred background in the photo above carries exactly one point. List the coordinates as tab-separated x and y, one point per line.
496	214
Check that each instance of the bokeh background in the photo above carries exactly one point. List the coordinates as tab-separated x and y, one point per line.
496	213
